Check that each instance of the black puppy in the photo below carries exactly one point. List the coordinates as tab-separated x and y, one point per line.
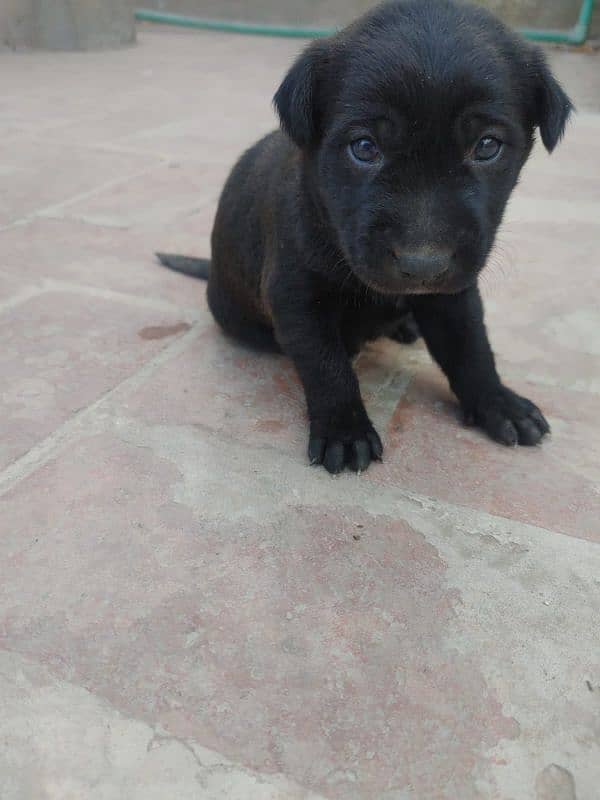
404	135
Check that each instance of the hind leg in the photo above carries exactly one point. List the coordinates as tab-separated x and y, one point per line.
237	320
406	330
373	322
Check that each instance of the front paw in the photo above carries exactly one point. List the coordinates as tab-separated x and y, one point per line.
509	418
343	439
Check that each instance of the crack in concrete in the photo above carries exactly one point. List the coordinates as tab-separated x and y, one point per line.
156	739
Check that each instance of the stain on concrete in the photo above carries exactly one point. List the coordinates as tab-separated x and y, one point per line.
555	783
163	331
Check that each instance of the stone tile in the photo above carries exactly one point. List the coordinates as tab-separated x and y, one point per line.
560	170
310	653
82	98
27	113
60	741
539	268
530	206
108	258
273	615
11	287
111	125
554	486
13	124
215	137
34	177
252	397
558	186
152	199
560	351
540	289
221	385
561	188
50	92
60	352
580	132
160	122
257	399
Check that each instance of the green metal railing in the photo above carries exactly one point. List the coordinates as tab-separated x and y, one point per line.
575	36
227	26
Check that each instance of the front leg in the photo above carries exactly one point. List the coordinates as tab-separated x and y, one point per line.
454	331
308	327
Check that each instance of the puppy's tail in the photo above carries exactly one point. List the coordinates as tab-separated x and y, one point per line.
194	267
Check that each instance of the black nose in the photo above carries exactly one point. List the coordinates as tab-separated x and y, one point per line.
423	264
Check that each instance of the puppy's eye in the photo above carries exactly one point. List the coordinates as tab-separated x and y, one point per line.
365	150
487	148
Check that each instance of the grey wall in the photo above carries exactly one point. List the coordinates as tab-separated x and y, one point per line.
15	23
67	24
530	13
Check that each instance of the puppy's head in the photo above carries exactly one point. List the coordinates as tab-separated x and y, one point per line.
414	123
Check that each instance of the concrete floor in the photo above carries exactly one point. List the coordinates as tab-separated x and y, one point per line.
187	610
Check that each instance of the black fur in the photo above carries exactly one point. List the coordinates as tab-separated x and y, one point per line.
315	252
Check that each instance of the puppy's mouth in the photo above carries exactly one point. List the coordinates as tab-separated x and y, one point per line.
427	285
404	271
394	282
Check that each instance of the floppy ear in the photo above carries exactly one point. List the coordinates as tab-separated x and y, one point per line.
299	99
552	106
